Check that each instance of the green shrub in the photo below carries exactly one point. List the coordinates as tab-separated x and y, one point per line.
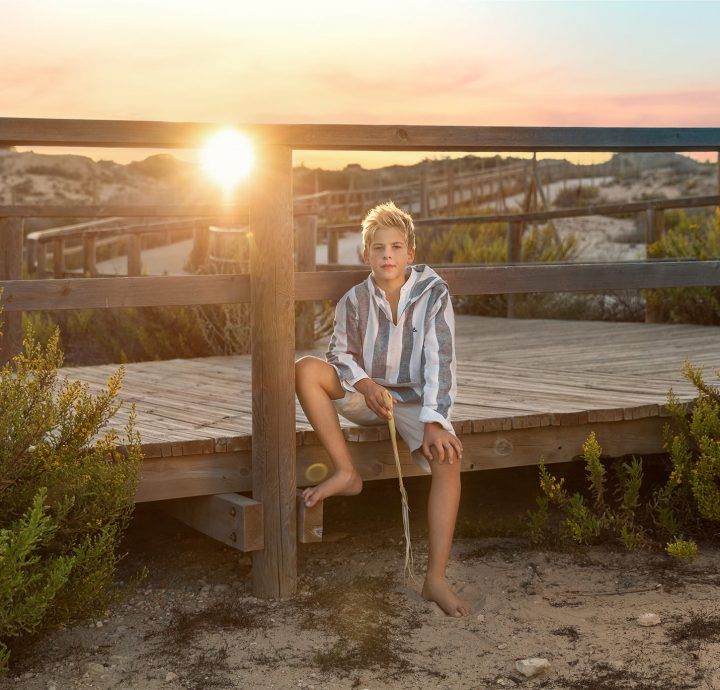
577	196
486	243
683	550
66	495
686	502
697	238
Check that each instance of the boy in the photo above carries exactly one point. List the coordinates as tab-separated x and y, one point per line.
395	332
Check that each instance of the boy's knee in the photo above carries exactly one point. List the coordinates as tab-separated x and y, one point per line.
305	369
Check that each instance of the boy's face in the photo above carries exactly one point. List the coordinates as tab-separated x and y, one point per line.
388	255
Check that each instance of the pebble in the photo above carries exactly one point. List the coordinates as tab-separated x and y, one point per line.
170	677
505	683
648	619
532	666
94	667
481	618
502	645
221	588
98	624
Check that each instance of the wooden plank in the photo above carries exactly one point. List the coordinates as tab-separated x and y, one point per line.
18	131
272	277
80	293
309	521
231	518
199	475
11	256
144	291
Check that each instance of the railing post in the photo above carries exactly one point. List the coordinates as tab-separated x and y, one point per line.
424	201
59	257
450	206
134	254
514	245
11	256
332	247
89	255
41	269
306	244
272	309
201	244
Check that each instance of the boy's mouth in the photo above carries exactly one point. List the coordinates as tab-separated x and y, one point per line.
387	266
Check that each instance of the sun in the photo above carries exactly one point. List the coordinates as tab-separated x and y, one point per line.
227	157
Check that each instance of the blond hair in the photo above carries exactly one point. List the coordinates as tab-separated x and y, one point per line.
387	215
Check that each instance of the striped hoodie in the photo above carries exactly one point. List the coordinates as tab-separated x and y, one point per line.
415	359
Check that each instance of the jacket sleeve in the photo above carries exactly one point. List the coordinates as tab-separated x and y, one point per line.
345	348
439	376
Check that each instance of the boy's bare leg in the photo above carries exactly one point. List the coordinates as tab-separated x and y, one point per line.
317	385
442	513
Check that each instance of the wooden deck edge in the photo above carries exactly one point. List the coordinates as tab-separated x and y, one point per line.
366	434
217	473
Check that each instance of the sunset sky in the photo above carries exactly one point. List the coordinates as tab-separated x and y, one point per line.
390	62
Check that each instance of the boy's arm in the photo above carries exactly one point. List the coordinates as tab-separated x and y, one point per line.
439	373
345	348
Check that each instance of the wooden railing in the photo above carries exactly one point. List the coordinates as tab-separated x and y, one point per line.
273	286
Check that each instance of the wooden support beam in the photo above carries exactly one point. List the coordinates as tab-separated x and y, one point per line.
305	261
272	279
59	258
11	256
232	519
332	247
134	255
309	521
89	255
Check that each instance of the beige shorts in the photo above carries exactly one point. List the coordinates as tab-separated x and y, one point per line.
407	422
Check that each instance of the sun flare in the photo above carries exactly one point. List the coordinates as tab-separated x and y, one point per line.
227	157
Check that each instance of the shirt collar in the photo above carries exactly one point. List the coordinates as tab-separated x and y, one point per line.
410	277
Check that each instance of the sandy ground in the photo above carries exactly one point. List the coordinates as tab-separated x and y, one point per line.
193	623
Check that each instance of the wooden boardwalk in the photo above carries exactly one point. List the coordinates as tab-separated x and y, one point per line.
526	388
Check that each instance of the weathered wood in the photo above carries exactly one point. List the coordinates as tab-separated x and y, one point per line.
575	212
134	255
273	370
309	521
231	518
41	255
305	261
75	293
424	199
332	247
89	255
59	258
201	244
11	257
158	134
141	291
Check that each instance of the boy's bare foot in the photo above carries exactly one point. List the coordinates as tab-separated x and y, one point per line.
342	483
438	590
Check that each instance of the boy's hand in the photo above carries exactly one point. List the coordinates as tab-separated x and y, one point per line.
376	397
439	444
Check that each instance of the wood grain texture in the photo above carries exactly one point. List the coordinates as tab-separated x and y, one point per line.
15	131
272	310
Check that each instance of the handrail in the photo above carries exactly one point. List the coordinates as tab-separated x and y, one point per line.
570	212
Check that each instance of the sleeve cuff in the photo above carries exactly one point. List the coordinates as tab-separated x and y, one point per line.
429	414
